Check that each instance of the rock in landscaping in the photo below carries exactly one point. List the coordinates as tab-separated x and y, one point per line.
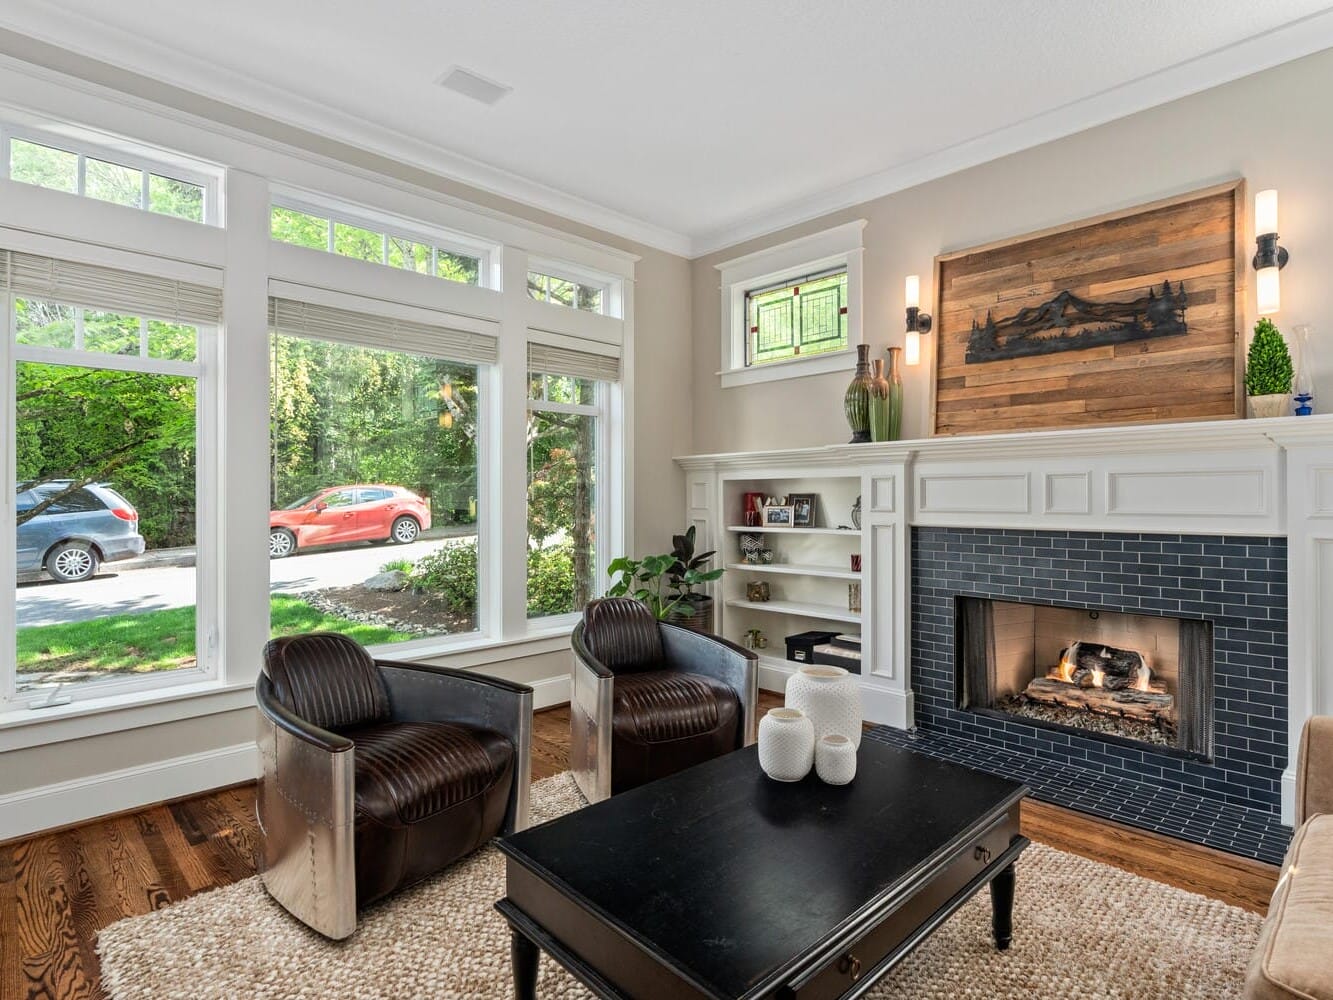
388	583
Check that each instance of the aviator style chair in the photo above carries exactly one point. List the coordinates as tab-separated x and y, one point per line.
377	774
649	699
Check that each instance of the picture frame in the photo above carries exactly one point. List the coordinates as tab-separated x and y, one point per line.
779	516
804	507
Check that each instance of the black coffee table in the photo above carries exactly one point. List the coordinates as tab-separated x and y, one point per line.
719	883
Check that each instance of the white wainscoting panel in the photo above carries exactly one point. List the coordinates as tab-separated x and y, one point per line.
883	494
961	493
1067	493
1194	493
1321	491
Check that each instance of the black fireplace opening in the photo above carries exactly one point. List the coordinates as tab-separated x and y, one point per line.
1137	679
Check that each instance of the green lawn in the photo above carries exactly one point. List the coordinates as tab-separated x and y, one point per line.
163	640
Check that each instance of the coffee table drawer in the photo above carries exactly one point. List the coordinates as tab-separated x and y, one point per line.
890	935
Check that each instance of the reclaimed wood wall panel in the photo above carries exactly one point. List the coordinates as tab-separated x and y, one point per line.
1194	240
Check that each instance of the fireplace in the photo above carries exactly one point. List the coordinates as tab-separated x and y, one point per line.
1129	678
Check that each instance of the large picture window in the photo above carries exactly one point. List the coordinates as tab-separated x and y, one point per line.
375	481
108	434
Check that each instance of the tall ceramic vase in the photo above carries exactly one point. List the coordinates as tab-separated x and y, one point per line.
830	697
879	403
895	381
856	403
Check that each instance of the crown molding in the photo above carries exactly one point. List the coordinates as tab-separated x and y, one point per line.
1250	56
122	50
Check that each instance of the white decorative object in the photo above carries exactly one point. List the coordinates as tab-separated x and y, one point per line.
831	697
835	760
786	744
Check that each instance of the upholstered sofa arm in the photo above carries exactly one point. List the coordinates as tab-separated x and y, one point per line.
584	656
721	660
421	692
1314	769
293	725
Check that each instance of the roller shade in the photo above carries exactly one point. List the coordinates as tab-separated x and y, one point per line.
345	326
546	359
95	287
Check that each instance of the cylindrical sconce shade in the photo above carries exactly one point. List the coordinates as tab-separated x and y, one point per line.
1269	288
1265	212
913	293
912	348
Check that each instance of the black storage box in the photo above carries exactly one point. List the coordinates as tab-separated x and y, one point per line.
801	647
842	651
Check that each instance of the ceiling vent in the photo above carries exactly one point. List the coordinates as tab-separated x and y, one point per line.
469	84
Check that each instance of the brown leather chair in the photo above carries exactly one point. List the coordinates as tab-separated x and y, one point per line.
649	699
377	774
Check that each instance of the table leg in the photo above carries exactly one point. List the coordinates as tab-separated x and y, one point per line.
1002	907
523	955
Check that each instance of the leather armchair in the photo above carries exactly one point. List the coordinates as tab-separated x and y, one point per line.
648	699
377	774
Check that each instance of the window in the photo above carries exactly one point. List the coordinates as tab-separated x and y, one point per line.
567	292
119	178
362	240
374	470
566	405
108	433
793	309
797	318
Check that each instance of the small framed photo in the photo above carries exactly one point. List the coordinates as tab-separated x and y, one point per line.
779	517
803	509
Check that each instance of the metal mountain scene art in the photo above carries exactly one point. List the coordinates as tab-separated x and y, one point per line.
1069	323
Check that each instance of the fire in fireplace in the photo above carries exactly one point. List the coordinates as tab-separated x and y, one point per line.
1142	678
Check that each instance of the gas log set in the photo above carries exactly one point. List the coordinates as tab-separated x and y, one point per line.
1108	681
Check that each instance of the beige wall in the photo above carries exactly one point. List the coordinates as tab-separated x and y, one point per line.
1272	128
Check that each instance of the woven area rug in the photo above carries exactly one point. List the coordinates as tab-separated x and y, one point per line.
1081	929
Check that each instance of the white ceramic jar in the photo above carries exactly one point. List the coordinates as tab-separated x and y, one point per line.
786	744
835	759
831	697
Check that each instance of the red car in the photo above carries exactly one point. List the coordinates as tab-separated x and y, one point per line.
373	513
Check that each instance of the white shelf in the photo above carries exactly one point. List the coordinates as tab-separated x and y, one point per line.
826	612
827	572
761	530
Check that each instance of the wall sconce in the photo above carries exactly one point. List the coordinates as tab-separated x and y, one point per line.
917	321
1269	258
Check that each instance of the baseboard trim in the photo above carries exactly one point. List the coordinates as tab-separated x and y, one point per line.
549	692
63	803
878	704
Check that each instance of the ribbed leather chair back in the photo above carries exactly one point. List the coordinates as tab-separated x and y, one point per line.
623	635
326	679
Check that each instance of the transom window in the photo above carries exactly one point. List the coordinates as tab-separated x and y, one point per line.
59	164
797	318
319	229
567	292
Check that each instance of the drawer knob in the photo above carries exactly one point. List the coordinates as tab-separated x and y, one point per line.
982	855
850	966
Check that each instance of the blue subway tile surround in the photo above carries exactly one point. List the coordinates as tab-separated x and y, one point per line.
1250	833
1239	583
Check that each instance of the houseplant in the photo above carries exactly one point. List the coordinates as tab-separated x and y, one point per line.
1268	372
694	610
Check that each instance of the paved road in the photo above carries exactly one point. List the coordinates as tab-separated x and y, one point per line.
153	588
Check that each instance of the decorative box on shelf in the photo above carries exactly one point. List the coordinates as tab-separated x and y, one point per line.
840	651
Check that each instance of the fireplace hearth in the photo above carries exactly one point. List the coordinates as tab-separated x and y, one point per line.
1113	675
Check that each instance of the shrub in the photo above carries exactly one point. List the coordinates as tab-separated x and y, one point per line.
1268	367
401	565
551	580
450	571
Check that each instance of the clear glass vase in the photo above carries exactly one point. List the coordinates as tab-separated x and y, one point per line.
1302	387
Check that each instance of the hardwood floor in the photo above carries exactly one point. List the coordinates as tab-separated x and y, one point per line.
57	890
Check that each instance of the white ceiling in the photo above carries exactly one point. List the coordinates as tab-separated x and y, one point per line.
690	124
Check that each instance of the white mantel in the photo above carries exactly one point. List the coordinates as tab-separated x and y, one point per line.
1240	477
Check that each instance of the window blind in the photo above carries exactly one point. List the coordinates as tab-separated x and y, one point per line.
345	326
549	360
95	287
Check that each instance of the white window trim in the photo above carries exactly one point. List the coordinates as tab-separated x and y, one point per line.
387	224
838	247
82	148
612	296
207	537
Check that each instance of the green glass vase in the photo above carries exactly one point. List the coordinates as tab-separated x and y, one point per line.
856	402
879	403
895	380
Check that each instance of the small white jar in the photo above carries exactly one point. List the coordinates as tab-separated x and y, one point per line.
786	744
835	759
831	697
